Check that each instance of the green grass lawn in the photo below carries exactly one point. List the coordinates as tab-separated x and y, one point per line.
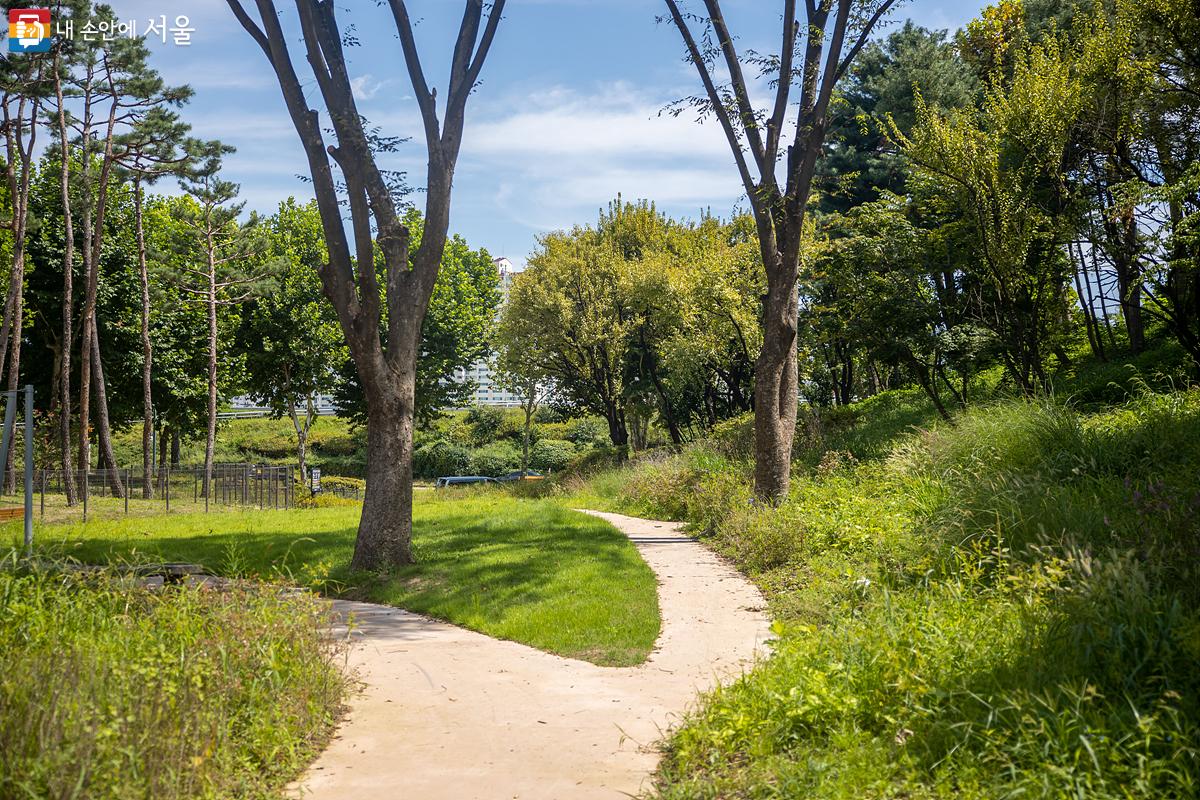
530	571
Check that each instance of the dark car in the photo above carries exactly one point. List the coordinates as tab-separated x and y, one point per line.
461	480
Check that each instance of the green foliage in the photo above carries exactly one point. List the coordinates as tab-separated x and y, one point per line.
290	334
485	423
440	457
495	459
586	432
454	334
1003	607
1001	169
879	86
639	314
551	454
113	690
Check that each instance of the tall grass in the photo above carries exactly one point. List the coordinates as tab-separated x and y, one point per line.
112	690
1006	607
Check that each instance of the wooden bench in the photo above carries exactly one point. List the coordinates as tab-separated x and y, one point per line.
9	513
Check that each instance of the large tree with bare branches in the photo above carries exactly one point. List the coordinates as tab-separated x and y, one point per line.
815	53
382	328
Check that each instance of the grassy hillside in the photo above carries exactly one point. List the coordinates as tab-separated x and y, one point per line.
1005	607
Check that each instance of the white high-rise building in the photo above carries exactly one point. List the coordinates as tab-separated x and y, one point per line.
487	393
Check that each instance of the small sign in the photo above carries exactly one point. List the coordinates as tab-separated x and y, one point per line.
315	480
29	30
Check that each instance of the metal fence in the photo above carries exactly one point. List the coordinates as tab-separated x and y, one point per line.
168	488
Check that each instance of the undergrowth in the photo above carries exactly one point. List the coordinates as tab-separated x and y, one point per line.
112	690
1005	607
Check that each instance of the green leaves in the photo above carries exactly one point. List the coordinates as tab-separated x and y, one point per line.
640	312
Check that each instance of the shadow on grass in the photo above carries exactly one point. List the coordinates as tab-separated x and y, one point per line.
529	571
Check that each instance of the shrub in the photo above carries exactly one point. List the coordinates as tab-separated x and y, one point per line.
512	428
734	438
595	460
549	454
495	459
547	414
586	432
485	421
108	689
340	481
440	458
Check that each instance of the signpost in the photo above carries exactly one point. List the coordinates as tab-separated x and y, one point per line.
6	440
315	480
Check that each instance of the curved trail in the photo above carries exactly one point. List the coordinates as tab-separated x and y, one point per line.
449	713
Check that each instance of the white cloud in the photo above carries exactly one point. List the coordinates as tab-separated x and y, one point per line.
616	121
554	156
364	88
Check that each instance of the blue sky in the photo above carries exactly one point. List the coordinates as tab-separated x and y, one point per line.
567	115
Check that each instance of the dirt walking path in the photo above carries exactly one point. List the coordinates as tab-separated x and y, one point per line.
449	713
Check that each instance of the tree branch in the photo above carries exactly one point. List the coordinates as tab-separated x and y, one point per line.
714	98
740	93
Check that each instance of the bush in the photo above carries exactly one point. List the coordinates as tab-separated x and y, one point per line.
339	481
495	459
734	438
586	432
485	422
595	460
512	428
548	414
550	454
440	458
108	689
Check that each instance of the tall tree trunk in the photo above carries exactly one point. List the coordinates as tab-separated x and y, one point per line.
64	377
14	359
618	432
385	528
103	430
175	447
776	392
211	432
10	333
85	338
530	402
147	350
302	435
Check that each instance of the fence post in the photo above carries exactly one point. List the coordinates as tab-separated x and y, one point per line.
29	468
167	488
86	492
43	510
126	492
